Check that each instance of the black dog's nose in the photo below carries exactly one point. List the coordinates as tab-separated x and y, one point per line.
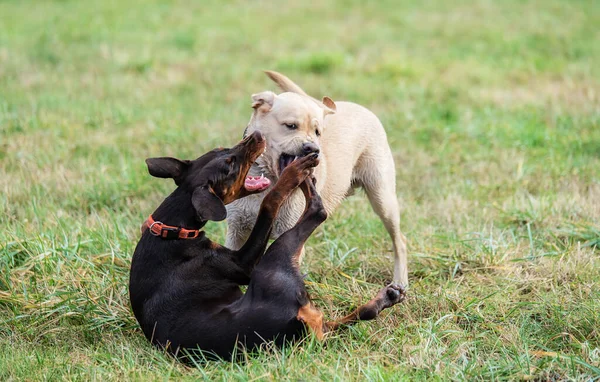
256	135
310	148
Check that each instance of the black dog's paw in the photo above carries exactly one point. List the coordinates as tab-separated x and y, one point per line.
393	294
308	162
297	171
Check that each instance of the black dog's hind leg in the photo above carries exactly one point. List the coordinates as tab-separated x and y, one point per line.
387	297
290	179
286	249
283	256
276	277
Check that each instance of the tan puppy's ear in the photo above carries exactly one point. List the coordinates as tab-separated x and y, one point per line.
329	103
263	101
330	106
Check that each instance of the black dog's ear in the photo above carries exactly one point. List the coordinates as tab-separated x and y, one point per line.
208	205
166	167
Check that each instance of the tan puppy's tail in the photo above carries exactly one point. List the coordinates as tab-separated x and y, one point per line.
285	83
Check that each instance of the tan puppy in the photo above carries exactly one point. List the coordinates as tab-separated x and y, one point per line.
354	152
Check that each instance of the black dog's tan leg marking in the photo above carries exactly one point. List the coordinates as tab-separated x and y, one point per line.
313	318
292	176
387	297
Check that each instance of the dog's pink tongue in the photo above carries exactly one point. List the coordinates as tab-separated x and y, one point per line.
256	183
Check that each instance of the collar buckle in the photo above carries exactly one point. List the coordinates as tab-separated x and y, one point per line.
152	225
170	233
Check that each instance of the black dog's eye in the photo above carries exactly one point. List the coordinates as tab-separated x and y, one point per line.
291	126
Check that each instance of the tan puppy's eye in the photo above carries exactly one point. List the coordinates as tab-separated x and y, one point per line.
291	126
317	133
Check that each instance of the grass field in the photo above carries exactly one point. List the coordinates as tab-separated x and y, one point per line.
492	109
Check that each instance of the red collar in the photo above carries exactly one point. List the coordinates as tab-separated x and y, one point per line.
168	232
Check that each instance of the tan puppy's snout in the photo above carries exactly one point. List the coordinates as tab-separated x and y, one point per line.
310	148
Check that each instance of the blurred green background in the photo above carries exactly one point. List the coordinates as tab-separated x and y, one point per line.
492	110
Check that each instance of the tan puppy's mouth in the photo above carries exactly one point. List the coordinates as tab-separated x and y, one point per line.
285	160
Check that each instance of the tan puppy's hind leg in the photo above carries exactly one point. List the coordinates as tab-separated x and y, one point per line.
385	205
301	255
379	182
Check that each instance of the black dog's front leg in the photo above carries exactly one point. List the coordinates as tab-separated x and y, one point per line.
290	179
257	242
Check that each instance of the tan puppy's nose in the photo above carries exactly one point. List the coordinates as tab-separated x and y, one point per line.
310	148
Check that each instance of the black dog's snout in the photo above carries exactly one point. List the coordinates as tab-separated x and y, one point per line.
310	148
256	136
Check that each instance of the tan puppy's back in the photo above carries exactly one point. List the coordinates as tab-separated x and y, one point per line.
352	138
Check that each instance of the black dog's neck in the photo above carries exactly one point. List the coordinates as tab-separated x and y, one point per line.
177	210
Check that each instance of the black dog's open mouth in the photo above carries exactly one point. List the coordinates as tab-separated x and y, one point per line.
256	183
285	160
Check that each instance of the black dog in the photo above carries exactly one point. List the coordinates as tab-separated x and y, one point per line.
184	288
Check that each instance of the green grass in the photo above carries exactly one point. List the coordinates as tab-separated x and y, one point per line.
492	109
